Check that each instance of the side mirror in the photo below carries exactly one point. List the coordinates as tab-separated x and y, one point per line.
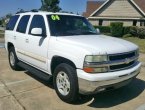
98	30
36	31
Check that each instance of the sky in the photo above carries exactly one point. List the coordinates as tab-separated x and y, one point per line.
12	6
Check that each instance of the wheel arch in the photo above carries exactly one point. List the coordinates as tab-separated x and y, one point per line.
56	60
9	45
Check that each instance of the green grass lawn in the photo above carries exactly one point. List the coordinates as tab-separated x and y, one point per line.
139	42
1	36
1	31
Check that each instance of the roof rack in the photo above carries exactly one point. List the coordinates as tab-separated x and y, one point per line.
22	11
66	12
35	10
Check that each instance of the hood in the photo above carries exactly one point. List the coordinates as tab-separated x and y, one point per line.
99	44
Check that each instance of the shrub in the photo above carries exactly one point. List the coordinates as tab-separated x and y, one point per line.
134	31
103	29
141	32
126	30
138	32
117	29
127	35
108	34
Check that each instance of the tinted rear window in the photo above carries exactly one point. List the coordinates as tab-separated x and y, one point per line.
12	23
23	24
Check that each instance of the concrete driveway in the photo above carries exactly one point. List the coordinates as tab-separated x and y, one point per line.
20	90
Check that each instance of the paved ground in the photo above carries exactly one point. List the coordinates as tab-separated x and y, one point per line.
20	90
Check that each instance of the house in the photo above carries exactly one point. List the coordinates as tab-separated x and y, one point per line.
130	12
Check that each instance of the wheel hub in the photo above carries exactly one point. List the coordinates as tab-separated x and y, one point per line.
12	58
63	83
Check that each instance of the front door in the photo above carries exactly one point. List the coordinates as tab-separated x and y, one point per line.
37	45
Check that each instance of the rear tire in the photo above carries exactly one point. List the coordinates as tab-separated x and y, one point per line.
66	83
13	60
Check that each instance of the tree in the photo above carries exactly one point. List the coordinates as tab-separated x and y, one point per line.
50	5
0	22
4	20
9	15
20	10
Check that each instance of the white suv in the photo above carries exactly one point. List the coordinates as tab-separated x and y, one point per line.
67	47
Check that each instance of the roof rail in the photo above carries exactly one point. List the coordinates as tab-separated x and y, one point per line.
22	11
66	12
35	10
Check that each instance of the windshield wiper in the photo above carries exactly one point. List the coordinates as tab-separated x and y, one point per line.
89	33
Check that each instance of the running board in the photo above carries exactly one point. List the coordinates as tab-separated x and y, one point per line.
35	71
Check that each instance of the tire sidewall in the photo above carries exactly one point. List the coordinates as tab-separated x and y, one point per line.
14	67
71	73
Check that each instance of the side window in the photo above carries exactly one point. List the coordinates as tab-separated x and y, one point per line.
38	22
12	23
22	26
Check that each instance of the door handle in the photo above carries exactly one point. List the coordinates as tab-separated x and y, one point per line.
27	40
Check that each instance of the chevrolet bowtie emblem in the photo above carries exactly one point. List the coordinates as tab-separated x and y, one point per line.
127	61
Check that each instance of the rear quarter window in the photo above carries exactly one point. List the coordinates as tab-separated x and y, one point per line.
11	24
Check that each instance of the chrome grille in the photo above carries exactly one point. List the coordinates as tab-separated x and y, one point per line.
126	60
122	56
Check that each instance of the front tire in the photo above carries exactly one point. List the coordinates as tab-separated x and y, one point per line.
66	83
13	60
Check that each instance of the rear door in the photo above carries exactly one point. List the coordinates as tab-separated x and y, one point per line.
20	37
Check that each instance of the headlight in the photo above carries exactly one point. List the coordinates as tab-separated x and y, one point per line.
96	58
91	63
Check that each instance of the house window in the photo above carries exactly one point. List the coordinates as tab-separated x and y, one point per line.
142	23
100	22
134	23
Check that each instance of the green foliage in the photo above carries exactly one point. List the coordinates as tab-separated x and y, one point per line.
9	15
4	20
50	5
116	29
103	29
137	32
141	32
0	22
126	30
127	35
134	31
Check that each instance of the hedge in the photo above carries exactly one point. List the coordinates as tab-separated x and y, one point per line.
134	31
126	30
104	29
141	32
117	29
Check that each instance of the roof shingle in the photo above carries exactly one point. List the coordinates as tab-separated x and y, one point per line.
94	5
141	4
91	7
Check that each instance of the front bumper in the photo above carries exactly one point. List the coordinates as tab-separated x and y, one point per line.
105	81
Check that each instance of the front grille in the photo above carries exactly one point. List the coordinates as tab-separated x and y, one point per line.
124	59
121	56
121	66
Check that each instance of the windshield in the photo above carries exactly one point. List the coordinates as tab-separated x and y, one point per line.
64	25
